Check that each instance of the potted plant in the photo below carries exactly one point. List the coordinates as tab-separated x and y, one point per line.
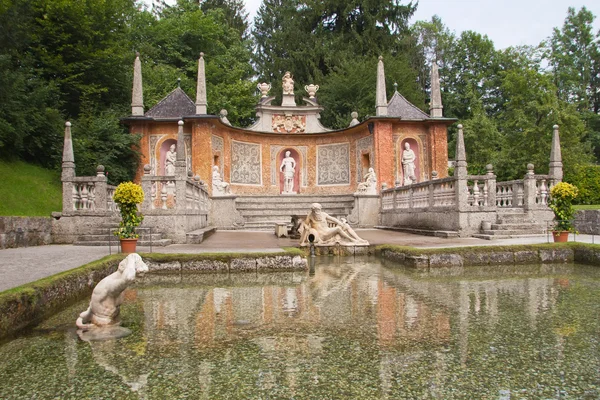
127	196
561	202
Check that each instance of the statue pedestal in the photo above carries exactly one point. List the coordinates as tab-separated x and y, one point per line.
288	100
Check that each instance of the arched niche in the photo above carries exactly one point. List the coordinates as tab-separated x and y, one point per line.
298	158
416	148
164	148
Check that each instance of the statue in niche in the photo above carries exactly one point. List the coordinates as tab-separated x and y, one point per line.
288	167
317	224
288	83
220	187
369	185
408	165
170	159
105	304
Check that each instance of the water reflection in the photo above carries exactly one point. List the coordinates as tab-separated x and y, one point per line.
351	329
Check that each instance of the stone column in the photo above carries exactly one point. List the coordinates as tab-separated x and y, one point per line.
556	166
491	185
147	188
381	105
529	189
201	102
68	171
137	95
180	170
460	171
435	107
100	187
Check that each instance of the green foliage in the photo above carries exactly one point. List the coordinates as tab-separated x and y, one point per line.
102	140
29	190
587	180
561	203
127	196
349	88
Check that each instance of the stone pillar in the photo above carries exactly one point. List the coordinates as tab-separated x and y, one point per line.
435	106
460	171
181	175
100	185
201	102
491	185
147	188
68	170
529	188
556	166
137	96
381	104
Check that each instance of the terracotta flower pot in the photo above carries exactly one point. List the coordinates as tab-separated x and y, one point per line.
128	245
560	236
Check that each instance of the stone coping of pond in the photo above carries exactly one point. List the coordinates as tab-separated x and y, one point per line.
547	253
30	303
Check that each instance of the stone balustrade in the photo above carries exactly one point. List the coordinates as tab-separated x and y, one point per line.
88	194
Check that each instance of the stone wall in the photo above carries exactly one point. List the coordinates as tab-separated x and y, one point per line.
588	222
35	301
25	231
431	259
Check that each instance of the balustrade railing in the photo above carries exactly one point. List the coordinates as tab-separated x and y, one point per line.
89	194
510	194
471	192
170	193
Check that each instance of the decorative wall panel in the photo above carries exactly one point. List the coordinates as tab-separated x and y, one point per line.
333	164
245	163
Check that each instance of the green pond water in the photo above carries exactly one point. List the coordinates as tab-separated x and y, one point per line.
352	329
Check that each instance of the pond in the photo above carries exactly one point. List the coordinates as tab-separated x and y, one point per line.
353	328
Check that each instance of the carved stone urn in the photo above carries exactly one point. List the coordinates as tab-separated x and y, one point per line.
264	88
312	90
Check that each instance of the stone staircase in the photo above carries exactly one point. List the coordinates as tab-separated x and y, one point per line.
512	223
263	212
103	235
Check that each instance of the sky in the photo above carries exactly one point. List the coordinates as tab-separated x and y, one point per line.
505	22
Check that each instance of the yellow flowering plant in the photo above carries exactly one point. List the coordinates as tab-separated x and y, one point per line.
561	202
127	196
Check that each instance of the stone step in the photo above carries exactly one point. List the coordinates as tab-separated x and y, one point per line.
295	199
291	206
289	212
512	233
516	226
114	243
199	235
424	232
500	236
111	237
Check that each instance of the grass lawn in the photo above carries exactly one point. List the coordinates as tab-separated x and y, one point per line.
28	190
588	207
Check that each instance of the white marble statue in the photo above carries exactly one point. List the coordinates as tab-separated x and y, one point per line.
408	165
170	159
369	185
107	296
288	83
288	167
317	223
220	187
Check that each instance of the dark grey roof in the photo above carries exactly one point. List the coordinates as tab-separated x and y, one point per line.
398	106
175	105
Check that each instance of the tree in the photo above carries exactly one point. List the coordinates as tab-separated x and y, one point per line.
313	38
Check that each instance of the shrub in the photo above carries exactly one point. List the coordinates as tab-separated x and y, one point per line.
128	195
561	202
